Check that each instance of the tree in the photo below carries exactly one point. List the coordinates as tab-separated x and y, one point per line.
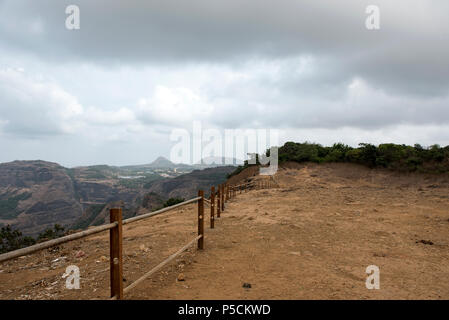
12	240
48	234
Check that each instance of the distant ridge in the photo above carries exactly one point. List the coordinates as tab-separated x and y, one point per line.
219	161
208	162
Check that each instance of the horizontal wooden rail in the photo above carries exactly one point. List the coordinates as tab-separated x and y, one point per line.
54	242
159	266
47	244
155	213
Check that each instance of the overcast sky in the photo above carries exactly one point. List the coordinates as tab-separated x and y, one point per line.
112	91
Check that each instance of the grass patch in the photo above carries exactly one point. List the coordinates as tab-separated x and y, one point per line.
8	206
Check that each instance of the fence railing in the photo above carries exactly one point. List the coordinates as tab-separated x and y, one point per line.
218	198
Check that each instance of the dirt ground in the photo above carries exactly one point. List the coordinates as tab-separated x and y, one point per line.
310	238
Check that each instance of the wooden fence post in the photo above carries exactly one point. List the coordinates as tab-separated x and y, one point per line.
218	201
222	197
201	219
115	249
212	207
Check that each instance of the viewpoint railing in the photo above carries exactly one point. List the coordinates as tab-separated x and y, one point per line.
216	202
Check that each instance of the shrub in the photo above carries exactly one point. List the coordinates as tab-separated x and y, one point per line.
172	202
48	234
12	240
389	155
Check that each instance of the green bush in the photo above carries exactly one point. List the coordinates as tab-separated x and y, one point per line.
12	240
8	206
172	202
48	234
388	155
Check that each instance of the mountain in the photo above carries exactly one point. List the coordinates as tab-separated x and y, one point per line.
35	195
161	162
164	163
187	185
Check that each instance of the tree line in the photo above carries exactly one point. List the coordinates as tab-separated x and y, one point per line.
397	157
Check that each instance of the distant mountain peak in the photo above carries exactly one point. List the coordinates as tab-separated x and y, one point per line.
162	162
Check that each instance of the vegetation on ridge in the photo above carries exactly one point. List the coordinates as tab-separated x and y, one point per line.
433	159
11	239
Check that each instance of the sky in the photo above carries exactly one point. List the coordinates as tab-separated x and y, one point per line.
113	91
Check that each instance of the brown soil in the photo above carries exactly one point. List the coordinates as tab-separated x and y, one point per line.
310	238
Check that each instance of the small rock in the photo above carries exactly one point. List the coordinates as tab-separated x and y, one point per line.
181	277
246	285
144	248
425	242
80	254
58	259
104	259
379	254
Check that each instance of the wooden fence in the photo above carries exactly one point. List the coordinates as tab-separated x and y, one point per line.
217	200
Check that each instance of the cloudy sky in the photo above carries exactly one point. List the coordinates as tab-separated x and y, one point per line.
112	91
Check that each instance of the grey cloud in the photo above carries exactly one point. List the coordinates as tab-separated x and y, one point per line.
408	55
256	64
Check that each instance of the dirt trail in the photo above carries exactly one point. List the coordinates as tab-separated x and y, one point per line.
311	238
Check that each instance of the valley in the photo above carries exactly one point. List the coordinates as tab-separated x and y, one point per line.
36	195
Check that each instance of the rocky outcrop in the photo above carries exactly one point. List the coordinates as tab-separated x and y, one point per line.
35	195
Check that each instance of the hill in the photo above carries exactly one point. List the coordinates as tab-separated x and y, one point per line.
187	186
36	194
396	157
